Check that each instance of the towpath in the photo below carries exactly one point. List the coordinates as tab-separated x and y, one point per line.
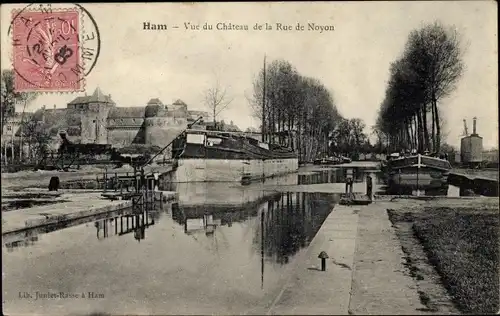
364	272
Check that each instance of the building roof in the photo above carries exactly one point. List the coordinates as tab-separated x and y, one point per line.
127	112
179	102
96	97
155	101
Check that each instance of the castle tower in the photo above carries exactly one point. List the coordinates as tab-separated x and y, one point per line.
155	120
163	124
92	112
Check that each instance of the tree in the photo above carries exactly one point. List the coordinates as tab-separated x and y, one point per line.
437	55
428	71
10	98
349	137
295	111
217	100
38	137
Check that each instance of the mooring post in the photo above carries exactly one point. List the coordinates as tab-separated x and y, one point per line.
323	256
105	179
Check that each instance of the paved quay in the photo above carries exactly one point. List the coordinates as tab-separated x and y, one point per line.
74	204
24	179
364	273
78	205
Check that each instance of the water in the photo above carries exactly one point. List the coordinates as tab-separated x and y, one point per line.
338	175
220	249
186	258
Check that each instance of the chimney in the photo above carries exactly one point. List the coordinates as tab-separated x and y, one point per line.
474	125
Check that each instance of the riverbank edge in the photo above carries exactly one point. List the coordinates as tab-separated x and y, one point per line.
44	219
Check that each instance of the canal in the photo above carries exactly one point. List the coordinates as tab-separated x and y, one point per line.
223	249
220	248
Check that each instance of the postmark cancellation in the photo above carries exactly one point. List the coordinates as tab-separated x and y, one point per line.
51	51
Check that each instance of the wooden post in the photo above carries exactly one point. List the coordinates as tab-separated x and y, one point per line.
105	180
161	200
152	199
135	180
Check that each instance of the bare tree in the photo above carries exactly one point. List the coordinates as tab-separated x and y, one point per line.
427	72
217	100
299	112
10	98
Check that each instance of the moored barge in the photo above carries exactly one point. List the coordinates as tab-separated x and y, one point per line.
418	172
218	156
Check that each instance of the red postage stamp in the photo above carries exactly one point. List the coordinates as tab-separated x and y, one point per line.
46	53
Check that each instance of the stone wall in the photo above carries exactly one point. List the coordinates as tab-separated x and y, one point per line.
122	137
160	131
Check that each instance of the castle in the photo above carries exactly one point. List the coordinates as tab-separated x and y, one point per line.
96	119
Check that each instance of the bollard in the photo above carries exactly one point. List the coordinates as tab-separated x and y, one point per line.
323	256
54	184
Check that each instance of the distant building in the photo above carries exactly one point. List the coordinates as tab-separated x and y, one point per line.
491	155
96	119
11	128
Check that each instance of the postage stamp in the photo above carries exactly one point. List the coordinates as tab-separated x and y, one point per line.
46	50
51	51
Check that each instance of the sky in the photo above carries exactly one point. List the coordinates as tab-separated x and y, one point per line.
352	61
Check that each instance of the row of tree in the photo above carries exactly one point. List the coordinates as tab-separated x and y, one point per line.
300	112
26	134
426	73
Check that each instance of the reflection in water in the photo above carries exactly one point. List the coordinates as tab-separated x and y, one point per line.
24	239
338	175
288	221
125	224
120	222
292	220
262	228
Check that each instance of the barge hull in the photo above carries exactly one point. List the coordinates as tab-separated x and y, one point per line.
231	170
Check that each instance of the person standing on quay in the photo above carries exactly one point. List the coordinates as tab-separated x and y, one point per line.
349	180
369	187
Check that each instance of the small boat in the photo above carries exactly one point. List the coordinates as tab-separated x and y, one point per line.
418	172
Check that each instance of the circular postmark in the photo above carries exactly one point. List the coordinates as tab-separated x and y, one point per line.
54	47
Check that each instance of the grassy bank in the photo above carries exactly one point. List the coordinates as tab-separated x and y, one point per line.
459	239
462	244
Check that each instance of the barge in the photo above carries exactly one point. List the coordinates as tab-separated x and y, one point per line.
418	172
217	156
